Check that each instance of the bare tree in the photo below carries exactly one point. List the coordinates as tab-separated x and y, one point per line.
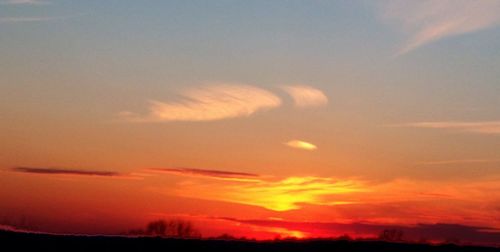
391	235
452	240
344	237
158	228
172	228
225	236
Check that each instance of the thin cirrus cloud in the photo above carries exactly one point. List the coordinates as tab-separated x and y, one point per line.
218	174
347	199
59	171
221	101
278	194
298	144
209	103
483	127
428	21
306	96
460	161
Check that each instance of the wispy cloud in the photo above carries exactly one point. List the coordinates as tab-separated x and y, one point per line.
400	200
209	103
27	19
24	2
484	127
298	144
460	161
226	175
430	20
59	171
305	96
274	194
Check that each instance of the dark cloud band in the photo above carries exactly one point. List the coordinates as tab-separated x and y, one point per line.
438	231
59	171
208	173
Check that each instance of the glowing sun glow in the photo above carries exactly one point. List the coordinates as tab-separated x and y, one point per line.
280	195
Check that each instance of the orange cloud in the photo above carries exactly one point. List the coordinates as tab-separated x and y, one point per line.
396	201
460	161
484	127
278	195
209	103
305	96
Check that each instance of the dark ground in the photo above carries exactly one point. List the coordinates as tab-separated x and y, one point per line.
17	241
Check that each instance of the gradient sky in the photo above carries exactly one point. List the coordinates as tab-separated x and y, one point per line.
252	118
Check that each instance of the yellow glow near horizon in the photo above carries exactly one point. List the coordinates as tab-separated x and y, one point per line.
282	195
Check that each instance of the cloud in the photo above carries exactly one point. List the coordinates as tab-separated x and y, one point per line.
402	201
430	20
298	144
305	96
210	103
278	195
436	232
24	2
58	171
485	127
239	176
460	161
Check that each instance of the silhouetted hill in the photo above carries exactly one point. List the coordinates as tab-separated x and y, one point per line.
18	241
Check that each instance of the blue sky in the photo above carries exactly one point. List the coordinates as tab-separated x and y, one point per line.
88	61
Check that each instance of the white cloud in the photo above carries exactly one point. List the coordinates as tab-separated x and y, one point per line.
298	144
209	103
430	20
305	96
488	127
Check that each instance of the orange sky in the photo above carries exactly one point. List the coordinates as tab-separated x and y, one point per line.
251	118
241	204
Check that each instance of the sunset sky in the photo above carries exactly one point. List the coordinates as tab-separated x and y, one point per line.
252	118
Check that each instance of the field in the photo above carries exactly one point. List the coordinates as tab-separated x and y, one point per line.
18	241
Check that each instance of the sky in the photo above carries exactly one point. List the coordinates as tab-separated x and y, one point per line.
252	118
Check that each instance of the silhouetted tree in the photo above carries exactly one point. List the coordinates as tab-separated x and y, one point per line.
452	240
345	237
391	235
138	231
158	228
225	236
423	240
172	228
